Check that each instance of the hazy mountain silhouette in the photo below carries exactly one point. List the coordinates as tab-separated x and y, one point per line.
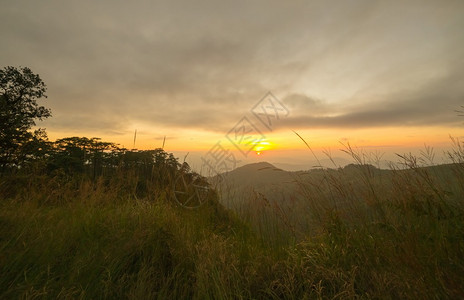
311	164
264	181
257	173
258	179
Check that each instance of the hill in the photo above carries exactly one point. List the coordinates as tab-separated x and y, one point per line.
262	183
237	186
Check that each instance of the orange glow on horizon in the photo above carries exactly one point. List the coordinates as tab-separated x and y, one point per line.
283	140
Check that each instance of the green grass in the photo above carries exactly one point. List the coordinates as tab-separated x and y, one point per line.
358	234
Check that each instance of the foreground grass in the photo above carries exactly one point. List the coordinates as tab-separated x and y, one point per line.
401	239
131	249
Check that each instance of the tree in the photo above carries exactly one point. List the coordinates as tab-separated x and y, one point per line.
20	89
78	154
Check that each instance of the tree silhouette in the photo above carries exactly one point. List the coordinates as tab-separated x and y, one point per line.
20	89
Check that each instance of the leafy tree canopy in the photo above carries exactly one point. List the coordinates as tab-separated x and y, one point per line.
20	89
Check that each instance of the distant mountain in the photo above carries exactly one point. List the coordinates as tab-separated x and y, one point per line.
326	163
252	174
263	179
254	167
263	193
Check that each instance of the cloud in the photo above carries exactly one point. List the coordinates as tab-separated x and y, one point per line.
432	104
203	65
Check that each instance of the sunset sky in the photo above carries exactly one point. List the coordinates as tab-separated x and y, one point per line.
385	76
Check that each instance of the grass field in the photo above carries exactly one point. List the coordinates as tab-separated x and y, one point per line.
358	234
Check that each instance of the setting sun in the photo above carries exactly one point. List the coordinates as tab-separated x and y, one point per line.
262	146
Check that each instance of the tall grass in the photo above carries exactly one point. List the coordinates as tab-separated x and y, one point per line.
356	232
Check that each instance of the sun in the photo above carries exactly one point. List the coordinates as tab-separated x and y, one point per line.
262	146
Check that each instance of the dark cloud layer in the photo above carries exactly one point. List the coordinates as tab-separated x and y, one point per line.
204	64
434	103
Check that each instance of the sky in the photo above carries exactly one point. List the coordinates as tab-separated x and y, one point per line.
384	76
